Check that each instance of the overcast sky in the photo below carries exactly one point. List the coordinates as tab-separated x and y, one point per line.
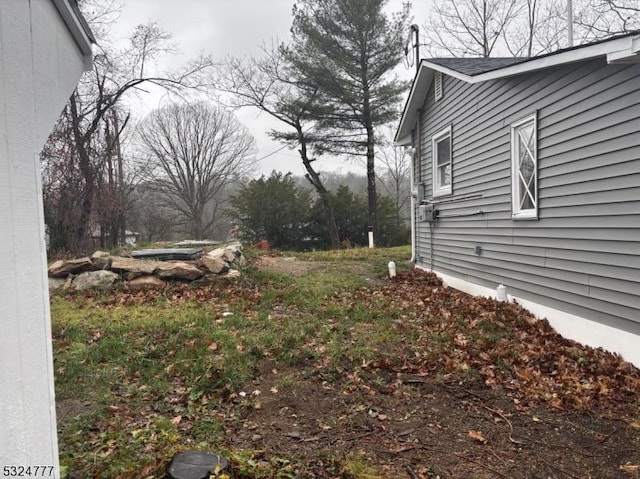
236	27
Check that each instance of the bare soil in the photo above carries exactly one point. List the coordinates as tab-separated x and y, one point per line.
419	425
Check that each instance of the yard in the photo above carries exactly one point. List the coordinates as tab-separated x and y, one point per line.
318	366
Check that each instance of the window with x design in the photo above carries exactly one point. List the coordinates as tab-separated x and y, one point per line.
524	168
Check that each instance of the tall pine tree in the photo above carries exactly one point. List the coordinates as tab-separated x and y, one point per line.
348	49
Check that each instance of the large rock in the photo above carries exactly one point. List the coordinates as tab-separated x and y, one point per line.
146	282
100	260
231	275
224	254
65	267
56	283
214	265
94	279
134	267
178	270
232	254
236	249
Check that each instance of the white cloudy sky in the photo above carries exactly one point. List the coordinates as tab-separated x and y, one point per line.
235	27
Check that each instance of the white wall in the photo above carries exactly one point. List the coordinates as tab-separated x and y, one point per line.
40	64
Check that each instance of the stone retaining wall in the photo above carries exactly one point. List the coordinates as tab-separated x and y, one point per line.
103	270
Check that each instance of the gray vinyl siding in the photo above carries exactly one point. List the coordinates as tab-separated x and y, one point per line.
582	254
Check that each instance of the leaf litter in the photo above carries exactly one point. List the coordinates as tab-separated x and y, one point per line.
431	382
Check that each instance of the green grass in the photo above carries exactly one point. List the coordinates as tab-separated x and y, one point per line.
141	376
151	378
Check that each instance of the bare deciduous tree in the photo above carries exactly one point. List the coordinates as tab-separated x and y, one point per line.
463	28
482	28
540	27
395	176
198	150
94	120
265	84
596	19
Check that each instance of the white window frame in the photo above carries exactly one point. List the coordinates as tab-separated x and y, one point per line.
517	210
439	190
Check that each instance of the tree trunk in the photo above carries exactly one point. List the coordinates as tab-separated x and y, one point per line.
367	122
121	227
327	208
313	178
81	232
108	226
371	184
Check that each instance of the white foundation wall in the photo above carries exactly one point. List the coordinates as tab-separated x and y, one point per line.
572	327
40	64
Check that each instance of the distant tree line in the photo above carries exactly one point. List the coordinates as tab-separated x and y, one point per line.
523	28
172	174
186	170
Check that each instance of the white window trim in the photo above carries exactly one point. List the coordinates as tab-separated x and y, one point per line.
516	212
437	190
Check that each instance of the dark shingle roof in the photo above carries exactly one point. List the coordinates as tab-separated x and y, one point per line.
475	66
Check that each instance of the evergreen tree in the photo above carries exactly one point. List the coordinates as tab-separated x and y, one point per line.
351	217
273	209
347	50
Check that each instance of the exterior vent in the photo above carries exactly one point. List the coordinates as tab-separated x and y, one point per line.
438	86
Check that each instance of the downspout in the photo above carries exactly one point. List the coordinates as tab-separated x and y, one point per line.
416	156
412	154
415	152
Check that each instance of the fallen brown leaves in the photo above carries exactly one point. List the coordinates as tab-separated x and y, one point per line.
402	371
504	344
218	295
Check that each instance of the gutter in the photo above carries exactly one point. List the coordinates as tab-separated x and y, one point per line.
78	27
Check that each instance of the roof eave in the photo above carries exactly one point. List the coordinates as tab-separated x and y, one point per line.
623	49
419	88
629	54
619	50
78	28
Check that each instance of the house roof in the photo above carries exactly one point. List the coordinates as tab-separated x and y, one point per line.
475	66
620	49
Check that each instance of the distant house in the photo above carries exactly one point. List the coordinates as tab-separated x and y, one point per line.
130	237
44	47
526	173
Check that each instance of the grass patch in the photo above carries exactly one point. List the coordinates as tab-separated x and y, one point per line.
156	372
141	377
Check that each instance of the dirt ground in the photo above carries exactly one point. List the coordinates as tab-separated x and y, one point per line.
423	426
292	266
415	427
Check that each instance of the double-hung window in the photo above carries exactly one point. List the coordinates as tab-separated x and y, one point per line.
524	168
441	147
